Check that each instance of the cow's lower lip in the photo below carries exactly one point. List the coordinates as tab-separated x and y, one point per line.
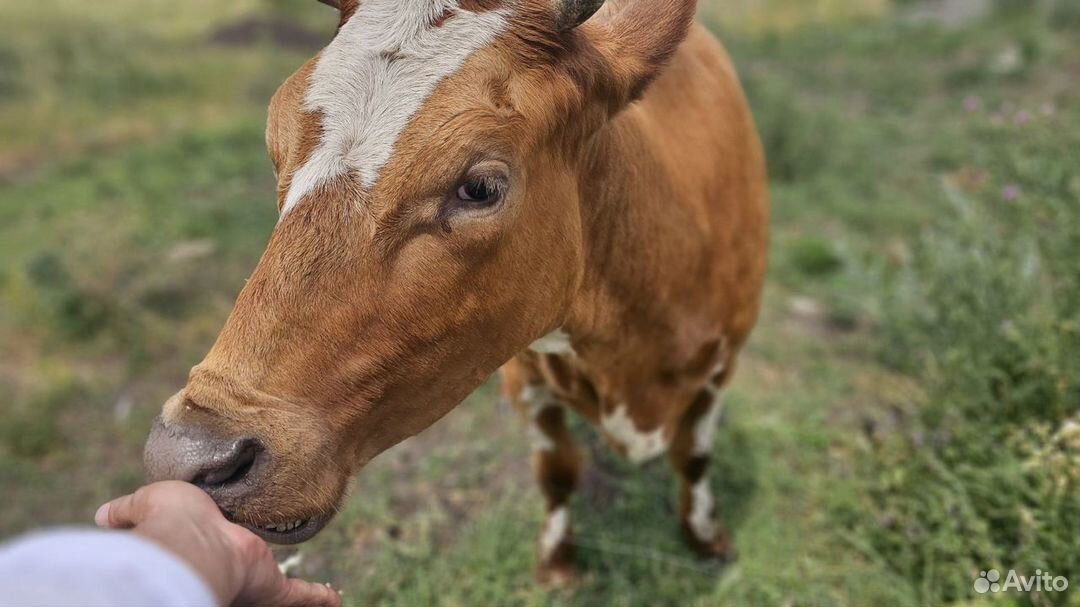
291	533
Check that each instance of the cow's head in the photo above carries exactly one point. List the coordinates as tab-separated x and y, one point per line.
429	165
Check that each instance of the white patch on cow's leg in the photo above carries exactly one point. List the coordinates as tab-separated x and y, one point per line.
557	468
555	530
375	76
640	446
556	342
705	428
701	520
537	398
538	439
701	517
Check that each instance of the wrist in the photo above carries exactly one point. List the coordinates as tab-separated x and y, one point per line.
216	570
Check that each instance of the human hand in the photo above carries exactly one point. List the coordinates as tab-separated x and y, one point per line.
235	563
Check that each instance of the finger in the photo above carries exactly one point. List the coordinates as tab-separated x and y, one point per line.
299	593
121	513
101	517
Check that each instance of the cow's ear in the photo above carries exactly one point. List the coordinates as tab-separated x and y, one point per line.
630	43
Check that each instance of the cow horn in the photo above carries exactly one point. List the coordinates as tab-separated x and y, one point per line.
573	13
334	3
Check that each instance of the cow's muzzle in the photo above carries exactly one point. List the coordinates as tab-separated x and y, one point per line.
231	470
227	468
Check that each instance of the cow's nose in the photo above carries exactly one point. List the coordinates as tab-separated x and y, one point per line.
225	467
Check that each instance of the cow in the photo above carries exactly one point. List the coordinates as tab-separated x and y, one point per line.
572	191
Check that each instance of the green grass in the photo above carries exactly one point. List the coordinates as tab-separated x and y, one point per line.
74	81
905	416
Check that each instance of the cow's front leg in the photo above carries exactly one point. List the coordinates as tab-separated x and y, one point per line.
690	450
557	462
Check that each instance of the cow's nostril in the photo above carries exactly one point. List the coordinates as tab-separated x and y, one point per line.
226	467
231	469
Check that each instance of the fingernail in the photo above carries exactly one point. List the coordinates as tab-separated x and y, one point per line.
101	517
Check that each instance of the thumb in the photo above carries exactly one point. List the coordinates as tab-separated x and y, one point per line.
121	513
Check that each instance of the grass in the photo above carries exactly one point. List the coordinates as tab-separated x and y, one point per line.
74	81
907	415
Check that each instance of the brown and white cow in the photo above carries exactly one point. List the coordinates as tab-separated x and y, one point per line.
576	189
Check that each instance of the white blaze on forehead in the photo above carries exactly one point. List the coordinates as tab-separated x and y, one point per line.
375	75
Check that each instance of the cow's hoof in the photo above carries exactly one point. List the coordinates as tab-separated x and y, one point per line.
720	549
557	576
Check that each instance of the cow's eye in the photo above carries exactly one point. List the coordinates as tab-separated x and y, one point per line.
480	192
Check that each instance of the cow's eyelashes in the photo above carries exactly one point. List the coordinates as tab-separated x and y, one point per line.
483	188
481	192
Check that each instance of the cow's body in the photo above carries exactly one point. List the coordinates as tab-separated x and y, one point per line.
677	230
457	180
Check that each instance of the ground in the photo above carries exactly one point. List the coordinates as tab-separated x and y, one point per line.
905	417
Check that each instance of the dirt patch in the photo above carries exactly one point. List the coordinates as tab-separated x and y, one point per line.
257	31
810	316
951	13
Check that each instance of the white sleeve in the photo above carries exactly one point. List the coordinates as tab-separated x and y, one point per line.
91	568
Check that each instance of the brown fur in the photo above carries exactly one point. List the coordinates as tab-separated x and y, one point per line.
639	227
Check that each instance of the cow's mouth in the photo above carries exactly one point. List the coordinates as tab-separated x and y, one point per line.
291	532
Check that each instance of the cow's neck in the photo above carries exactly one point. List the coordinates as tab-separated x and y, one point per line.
640	241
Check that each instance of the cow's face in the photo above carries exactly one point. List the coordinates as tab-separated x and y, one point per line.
430	228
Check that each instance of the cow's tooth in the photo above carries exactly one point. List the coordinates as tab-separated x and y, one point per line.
284	527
